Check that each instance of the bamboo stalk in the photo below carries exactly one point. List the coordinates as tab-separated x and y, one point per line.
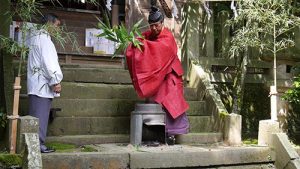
14	117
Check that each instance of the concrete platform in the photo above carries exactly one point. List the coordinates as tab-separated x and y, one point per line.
111	156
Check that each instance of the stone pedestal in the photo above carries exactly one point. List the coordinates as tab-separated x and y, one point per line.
32	158
233	129
26	124
149	114
265	131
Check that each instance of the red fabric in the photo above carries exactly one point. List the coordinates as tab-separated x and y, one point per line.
156	71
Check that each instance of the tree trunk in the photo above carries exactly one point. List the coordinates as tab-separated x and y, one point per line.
239	85
6	65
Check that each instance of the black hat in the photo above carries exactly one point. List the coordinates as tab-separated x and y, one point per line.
49	17
155	15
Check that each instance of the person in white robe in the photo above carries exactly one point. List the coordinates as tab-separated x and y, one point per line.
44	76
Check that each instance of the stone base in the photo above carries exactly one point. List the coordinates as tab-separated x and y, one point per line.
233	129
32	158
265	131
26	124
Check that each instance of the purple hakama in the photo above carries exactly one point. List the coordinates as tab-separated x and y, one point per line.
177	126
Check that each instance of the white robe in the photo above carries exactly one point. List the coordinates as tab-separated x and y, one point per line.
43	70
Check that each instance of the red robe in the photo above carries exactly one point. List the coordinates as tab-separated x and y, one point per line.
156	71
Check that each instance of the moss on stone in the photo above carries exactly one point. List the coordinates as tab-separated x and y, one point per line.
250	141
62	147
9	160
88	149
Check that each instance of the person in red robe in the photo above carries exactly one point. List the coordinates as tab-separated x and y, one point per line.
156	74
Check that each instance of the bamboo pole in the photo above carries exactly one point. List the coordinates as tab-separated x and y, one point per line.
14	117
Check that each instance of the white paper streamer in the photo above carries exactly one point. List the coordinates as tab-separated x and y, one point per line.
108	4
174	10
233	7
207	10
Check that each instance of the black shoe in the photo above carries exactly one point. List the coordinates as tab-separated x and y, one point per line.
48	150
170	140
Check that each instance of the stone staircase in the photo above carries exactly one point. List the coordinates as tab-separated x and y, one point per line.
96	103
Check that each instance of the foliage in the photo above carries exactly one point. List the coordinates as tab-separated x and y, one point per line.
293	123
269	25
122	36
262	24
256	106
10	160
250	141
3	119
27	11
293	95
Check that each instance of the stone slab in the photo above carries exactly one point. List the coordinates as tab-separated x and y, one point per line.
233	129
90	139
86	161
293	164
89	125
298	150
177	156
199	138
265	131
200	124
106	107
32	158
26	124
198	158
111	76
253	166
105	91
284	150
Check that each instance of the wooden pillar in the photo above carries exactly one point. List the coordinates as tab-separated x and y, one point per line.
115	14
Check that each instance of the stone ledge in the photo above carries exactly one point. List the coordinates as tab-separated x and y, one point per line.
178	156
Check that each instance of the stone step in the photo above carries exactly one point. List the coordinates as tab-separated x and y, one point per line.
77	90
96	75
104	107
191	138
199	138
110	107
112	156
89	126
90	139
73	90
200	124
111	125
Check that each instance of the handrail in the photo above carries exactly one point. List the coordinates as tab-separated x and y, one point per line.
205	90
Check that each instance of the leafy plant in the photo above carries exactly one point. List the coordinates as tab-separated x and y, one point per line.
11	160
122	36
293	94
3	119
265	25
27	10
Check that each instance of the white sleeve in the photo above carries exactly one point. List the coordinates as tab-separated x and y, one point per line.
49	60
